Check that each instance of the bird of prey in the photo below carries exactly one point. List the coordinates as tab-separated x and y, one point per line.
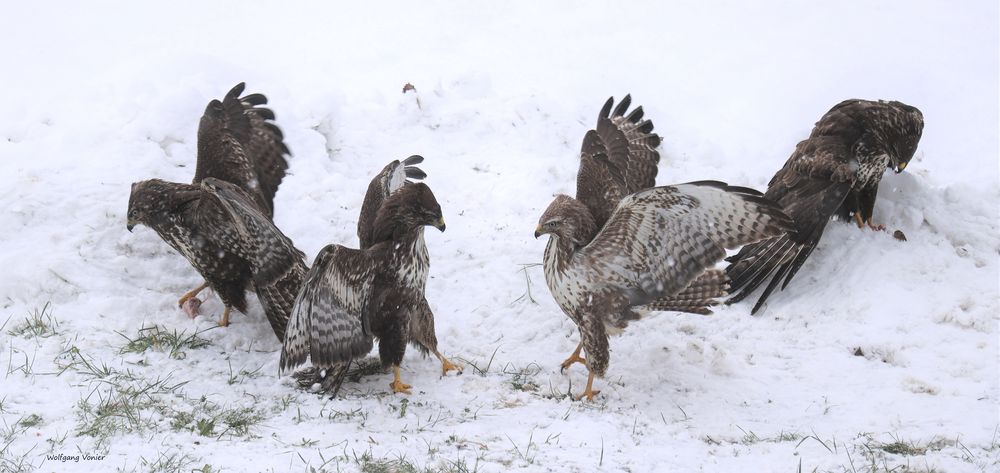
623	248
833	173
237	143
351	297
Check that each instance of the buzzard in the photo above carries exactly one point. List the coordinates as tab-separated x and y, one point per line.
833	173
237	143
351	297
623	248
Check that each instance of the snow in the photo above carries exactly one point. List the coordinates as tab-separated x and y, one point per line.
875	342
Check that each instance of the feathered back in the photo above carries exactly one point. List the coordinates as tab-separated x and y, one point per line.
617	158
239	143
392	178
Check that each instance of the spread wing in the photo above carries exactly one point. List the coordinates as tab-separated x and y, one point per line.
661	239
239	143
810	188
232	220
393	176
329	322
618	158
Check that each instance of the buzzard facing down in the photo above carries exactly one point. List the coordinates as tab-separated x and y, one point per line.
351	297
237	144
833	173
623	248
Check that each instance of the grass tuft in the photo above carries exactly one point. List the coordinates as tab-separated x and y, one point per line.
172	342
38	324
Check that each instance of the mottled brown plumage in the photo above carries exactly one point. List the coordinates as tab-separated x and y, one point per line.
622	248
352	297
237	143
833	173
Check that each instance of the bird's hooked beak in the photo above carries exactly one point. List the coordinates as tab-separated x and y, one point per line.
538	231
440	224
900	167
131	224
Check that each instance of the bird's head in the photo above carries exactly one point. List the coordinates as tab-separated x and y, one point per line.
567	218
150	199
907	126
410	207
142	202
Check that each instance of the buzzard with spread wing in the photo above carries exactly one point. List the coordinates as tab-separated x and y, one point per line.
237	144
833	173
351	297
623	248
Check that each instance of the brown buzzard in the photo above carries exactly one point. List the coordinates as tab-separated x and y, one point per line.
623	248
833	173
238	144
350	297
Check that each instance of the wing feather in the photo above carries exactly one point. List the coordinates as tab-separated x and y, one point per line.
617	158
811	187
239	143
329	323
661	239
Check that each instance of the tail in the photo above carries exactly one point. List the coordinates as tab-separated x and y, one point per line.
698	296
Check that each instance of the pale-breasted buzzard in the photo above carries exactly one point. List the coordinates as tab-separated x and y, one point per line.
622	248
239	144
351	297
833	173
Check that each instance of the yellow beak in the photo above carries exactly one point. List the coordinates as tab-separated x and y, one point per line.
440	224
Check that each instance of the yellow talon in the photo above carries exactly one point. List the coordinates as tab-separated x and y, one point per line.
447	366
574	358
191	293
589	393
225	317
397	385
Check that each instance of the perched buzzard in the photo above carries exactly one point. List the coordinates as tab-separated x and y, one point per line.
352	296
237	143
833	173
623	248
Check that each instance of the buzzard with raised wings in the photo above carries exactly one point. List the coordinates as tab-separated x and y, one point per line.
352	297
623	248
238	144
833	173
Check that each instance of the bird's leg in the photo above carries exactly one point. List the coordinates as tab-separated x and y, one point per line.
858	220
225	317
446	365
397	385
589	393
191	293
574	358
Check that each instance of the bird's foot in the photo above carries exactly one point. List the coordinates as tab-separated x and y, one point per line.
397	385
573	358
191	294
447	366
224	322
589	393
569	362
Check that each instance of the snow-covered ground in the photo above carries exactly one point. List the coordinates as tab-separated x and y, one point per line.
881	356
